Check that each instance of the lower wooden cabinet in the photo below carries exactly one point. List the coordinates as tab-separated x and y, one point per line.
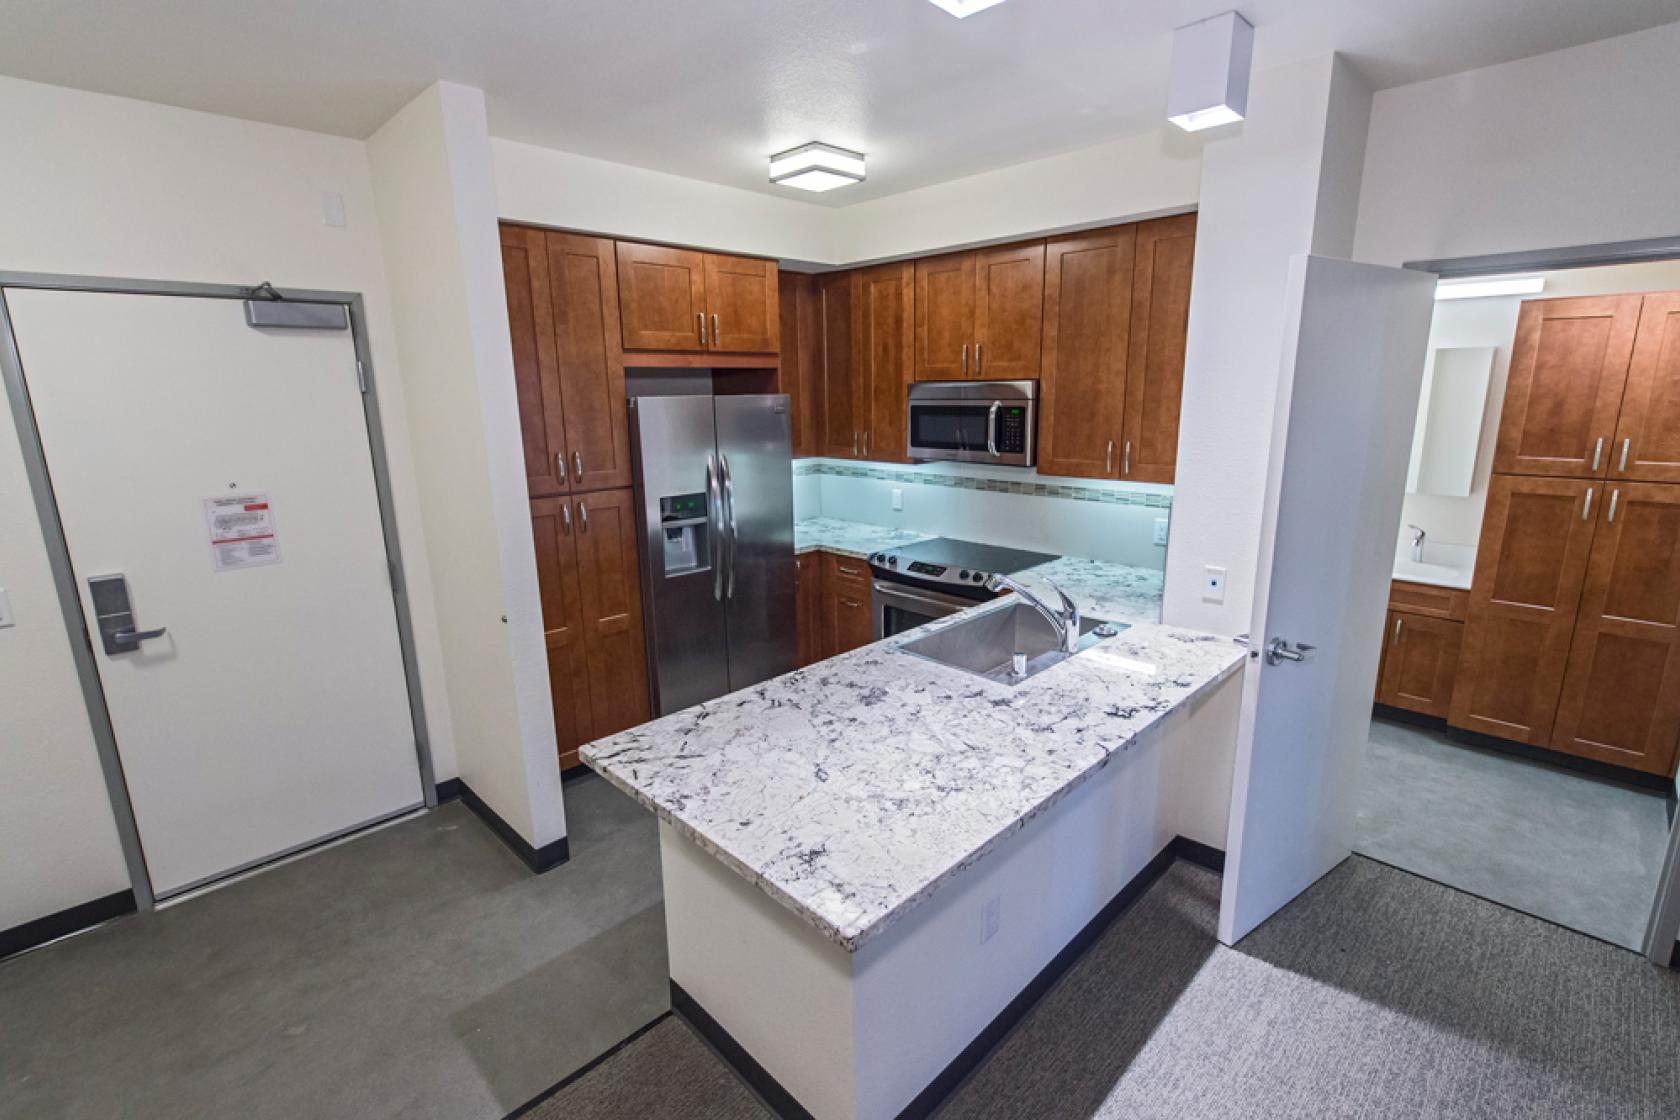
846	619
562	615
1419	663
808	608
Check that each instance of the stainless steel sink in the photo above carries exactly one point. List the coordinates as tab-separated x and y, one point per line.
1008	644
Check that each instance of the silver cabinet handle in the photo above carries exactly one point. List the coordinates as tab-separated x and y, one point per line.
717	335
702	317
714	523
1610	514
866	443
1394	641
854	443
577	465
583	517
729	512
127	636
965	359
1108	458
1586	506
566	517
1622	466
560	464
1598	450
1126	459
991	425
979	360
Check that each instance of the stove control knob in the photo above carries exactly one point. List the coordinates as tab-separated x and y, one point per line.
875	559
964	574
892	561
979	577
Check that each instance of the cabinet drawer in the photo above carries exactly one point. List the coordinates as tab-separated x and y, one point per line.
838	570
1427	599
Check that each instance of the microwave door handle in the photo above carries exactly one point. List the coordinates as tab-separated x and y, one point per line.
991	428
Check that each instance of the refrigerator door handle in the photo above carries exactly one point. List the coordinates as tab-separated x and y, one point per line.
729	512
714	526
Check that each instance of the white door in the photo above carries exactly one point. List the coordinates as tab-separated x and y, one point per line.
273	712
1347	404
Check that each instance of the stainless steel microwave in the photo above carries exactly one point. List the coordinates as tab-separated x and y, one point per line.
975	421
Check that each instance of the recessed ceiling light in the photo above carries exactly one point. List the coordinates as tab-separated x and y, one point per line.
1208	85
1491	286
962	9
816	167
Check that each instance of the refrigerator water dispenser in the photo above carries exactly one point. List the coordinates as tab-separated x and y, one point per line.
684	529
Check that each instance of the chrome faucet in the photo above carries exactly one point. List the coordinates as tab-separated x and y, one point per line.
1064	622
1417	542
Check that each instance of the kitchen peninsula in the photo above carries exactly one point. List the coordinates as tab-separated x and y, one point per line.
867	860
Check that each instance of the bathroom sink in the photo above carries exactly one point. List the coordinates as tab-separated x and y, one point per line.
989	644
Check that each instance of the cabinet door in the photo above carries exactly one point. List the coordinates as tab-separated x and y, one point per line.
1420	663
1087	320
1648	432
741	305
1569	362
1621	694
847	622
801	354
662	295
945	317
1008	311
535	377
611	588
809	610
553	531
841	434
1166	248
583	288
1530	566
881	349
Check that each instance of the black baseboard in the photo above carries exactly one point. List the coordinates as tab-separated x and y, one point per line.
448	790
784	1104
1591	767
576	773
65	922
545	858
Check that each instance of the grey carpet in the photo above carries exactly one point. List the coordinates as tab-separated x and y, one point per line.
1375	994
1576	850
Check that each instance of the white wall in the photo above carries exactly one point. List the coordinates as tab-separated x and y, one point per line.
437	213
1493	322
1575	147
1279	184
112	187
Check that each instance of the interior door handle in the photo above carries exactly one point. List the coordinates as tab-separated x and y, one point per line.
114	615
1279	650
136	636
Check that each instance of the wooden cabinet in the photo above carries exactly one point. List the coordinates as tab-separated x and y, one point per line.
1166	249
1530	568
552	530
1087	321
1647	444
1569	365
800	359
1620	700
882	306
980	314
846	619
809	607
686	300
838	431
610	600
535	376
1419	663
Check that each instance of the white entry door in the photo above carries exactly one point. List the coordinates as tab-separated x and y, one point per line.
273	710
1347	403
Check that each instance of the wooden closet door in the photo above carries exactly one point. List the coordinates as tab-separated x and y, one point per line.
1569	363
1008	311
1166	250
553	531
801	354
882	308
1530	566
1087	329
741	305
1648	432
1621	694
611	593
662	294
583	288
944	302
838	410
536	378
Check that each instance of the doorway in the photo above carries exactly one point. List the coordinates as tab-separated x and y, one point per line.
212	493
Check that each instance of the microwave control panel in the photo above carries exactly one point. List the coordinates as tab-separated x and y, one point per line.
1012	430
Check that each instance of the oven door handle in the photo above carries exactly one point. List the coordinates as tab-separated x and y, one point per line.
897	595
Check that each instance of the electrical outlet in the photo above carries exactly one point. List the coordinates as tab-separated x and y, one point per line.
989	916
1160	530
898	499
6	618
1213	584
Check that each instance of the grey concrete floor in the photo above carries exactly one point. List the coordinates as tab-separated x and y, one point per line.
417	971
1576	850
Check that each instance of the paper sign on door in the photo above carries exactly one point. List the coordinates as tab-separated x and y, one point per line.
241	532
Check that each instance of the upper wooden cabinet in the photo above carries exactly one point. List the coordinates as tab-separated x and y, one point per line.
839	434
1569	364
801	354
882	303
536	378
1647	445
1166	249
980	314
686	300
1087	330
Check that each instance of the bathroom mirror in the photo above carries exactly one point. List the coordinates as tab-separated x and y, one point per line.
1449	421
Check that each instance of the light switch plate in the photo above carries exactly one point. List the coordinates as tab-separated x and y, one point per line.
6	618
1213	584
897	499
1160	530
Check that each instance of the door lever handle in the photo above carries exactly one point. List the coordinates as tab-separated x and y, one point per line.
1278	650
127	637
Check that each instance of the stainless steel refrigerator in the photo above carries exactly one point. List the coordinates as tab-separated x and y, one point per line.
714	502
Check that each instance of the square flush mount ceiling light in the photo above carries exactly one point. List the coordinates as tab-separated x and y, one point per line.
1490	286
962	9
1208	85
816	167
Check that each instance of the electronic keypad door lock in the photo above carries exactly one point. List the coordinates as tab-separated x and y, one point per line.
115	617
1279	650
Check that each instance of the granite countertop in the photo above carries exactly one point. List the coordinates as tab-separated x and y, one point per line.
1116	592
849	538
852	790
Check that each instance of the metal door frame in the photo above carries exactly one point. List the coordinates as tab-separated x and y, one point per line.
1662	929
64	576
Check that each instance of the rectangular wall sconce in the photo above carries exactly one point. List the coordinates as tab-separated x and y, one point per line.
1208	85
